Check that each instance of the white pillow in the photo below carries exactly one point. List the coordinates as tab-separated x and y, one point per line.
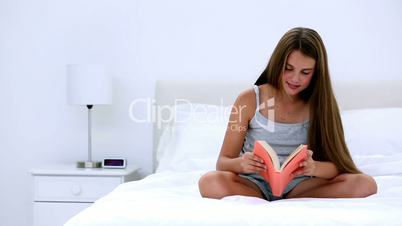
374	139
373	131
194	140
378	165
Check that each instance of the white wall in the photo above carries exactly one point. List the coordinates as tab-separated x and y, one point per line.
145	40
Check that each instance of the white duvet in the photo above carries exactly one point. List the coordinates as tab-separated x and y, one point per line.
172	198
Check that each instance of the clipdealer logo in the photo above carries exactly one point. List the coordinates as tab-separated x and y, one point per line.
163	114
269	124
182	110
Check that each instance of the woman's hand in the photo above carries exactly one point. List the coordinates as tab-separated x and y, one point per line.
251	163
306	167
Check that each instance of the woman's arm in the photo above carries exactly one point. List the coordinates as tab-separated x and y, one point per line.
320	169
242	111
325	170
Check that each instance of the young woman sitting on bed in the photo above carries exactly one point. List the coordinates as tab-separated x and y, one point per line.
305	112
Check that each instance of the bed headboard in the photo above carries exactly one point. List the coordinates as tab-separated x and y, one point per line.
349	94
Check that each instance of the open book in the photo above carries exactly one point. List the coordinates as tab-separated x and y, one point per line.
278	176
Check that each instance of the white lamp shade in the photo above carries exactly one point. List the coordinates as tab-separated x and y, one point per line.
88	85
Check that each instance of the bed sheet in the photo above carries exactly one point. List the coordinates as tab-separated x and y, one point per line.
172	198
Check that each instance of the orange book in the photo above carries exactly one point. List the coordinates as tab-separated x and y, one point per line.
276	175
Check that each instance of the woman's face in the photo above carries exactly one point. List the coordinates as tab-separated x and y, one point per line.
299	70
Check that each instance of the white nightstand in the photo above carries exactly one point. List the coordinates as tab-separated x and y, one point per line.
60	192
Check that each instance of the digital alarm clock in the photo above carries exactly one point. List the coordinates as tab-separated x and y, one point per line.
115	163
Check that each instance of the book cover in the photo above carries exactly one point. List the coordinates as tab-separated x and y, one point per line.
278	176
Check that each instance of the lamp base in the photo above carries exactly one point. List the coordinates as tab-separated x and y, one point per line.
85	164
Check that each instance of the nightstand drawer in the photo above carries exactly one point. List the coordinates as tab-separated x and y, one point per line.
73	188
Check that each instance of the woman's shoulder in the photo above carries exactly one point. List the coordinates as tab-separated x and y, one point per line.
249	95
246	101
246	96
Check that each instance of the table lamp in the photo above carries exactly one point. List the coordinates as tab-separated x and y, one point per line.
88	85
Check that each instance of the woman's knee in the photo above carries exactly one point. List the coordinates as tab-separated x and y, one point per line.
214	184
205	180
368	185
360	185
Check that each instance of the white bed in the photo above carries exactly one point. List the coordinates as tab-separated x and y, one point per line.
372	118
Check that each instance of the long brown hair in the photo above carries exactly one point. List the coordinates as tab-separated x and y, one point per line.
325	135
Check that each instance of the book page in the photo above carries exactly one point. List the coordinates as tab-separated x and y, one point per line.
291	156
272	154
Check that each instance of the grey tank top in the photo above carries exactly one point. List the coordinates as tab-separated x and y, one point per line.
282	137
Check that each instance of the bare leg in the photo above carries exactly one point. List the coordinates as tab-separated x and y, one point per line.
218	184
342	186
